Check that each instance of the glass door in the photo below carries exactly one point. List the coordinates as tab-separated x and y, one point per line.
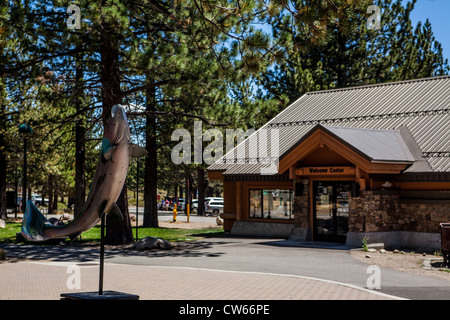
331	210
343	194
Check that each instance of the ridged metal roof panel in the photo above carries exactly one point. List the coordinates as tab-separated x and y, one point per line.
379	145
422	105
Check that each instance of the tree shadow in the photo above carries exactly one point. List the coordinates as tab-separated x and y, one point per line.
196	248
84	252
54	252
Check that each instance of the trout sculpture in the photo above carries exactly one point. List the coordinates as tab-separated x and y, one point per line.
110	175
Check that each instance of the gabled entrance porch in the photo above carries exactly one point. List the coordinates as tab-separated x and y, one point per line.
329	167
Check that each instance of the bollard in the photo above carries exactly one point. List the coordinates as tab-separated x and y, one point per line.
175	213
187	213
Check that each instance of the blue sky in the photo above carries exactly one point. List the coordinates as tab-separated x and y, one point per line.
438	12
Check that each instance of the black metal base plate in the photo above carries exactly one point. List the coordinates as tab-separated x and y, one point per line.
107	295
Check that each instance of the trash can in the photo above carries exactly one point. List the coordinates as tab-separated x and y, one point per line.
445	243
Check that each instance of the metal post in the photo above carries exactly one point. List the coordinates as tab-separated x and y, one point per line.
24	185
137	199
25	129
102	255
16	186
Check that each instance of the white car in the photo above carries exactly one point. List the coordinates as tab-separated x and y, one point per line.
208	199
37	200
214	206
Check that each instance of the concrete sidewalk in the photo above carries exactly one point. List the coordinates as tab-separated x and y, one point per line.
46	280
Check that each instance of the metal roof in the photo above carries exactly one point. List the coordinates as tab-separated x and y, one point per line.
377	145
422	105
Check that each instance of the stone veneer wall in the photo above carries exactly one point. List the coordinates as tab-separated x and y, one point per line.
301	207
302	224
376	210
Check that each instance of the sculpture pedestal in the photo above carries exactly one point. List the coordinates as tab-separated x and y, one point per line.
107	295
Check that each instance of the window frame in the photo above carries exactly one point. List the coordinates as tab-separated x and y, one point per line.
261	213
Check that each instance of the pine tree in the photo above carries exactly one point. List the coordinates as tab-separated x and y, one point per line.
349	53
179	59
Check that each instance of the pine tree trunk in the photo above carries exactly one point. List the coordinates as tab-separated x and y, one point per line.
50	193
151	167
120	232
55	194
80	155
201	191
117	232
110	73
2	179
3	163
188	188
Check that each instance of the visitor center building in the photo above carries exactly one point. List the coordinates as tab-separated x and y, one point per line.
339	165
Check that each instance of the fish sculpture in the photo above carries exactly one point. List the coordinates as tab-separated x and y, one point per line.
109	178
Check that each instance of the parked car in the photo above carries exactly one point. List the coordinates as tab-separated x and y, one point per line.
37	200
208	199
194	208
214	206
181	205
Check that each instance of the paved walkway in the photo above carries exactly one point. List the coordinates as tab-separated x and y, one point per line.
226	268
47	280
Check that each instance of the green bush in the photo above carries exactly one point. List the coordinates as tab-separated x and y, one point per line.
365	247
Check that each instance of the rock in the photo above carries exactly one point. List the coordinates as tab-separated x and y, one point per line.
2	254
2	224
382	251
396	251
152	243
219	221
426	264
56	221
402	252
371	250
377	245
368	256
424	254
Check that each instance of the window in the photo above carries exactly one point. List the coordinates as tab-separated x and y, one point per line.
271	203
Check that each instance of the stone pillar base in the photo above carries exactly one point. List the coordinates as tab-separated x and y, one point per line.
301	234
419	241
262	229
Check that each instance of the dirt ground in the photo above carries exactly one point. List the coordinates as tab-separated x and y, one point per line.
407	261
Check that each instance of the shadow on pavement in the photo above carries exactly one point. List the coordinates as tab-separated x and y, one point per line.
91	252
308	244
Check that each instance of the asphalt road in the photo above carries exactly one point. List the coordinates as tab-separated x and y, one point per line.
279	256
272	256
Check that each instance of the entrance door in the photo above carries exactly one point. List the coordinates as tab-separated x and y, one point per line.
331	210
